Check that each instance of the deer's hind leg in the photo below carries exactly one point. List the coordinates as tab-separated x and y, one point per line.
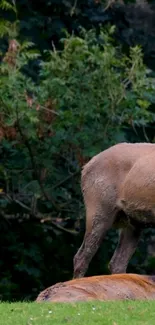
100	217
126	247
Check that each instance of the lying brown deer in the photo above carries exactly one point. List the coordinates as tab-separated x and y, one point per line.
118	187
103	287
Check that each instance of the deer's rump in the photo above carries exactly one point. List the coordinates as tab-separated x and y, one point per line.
106	287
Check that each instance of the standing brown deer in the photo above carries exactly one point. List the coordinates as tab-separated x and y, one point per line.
118	187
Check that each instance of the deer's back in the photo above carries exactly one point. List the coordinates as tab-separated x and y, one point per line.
106	287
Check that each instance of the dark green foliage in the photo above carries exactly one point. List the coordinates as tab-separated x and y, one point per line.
64	98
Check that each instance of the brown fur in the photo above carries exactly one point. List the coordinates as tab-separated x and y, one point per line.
137	194
106	287
118	190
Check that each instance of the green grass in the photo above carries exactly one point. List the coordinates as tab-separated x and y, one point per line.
94	313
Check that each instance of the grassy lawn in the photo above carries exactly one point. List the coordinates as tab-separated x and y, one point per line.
97	313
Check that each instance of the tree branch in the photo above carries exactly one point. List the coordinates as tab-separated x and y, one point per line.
71	232
65	179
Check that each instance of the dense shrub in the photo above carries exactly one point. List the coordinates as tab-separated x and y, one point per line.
85	96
